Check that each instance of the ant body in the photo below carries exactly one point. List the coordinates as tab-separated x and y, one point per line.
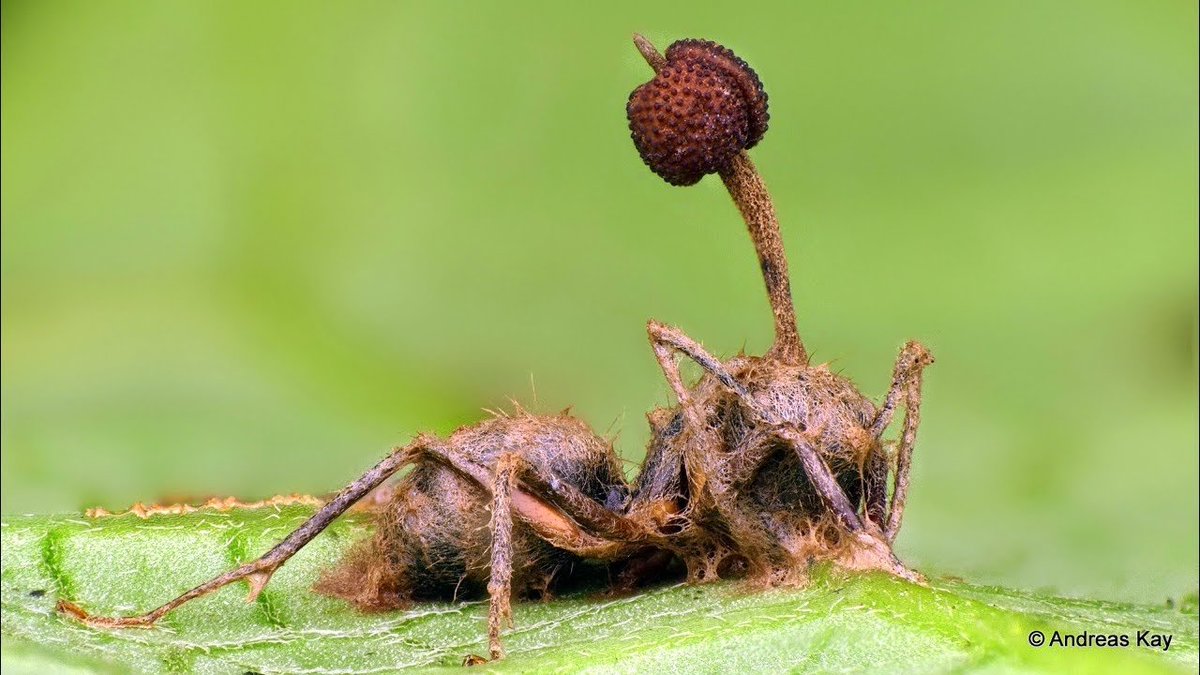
764	465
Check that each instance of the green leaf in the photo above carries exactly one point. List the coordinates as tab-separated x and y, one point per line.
123	564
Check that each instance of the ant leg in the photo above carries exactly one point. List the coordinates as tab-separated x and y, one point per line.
746	465
556	509
500	582
874	478
665	340
879	550
822	478
258	572
912	419
546	517
573	503
578	506
906	382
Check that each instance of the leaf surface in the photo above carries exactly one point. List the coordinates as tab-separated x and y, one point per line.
127	564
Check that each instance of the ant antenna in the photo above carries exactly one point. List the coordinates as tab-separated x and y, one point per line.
749	193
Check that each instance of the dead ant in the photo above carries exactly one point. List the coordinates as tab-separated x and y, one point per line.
740	477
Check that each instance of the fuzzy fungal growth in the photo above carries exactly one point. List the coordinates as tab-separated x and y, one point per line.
433	540
764	465
703	106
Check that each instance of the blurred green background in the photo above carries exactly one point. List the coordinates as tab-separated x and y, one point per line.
249	246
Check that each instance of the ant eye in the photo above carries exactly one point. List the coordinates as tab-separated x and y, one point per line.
675	427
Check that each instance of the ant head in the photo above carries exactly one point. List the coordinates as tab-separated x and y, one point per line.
914	356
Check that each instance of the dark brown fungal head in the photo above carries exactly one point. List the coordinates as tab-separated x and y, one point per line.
722	60
703	107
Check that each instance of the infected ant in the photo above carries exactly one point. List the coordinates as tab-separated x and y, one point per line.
762	467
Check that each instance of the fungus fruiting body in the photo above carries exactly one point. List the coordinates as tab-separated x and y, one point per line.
703	107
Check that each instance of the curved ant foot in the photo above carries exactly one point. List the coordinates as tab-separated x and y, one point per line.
870	552
81	615
473	660
256	574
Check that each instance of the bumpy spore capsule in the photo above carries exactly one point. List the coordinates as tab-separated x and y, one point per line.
702	108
